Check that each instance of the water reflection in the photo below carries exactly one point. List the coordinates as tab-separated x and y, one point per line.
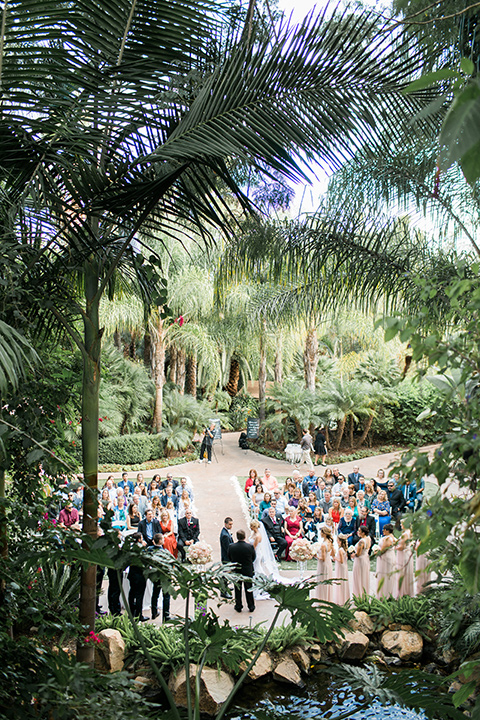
324	698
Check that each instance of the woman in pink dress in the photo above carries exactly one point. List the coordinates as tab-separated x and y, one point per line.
386	565
361	563
293	528
405	582
422	572
324	566
341	589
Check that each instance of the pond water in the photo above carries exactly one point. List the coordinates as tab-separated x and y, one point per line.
324	698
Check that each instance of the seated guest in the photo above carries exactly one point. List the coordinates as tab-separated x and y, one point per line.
156	506
345	497
336	511
395	498
381	510
409	492
256	496
110	486
265	504
352	504
133	517
169	480
68	517
360	499
310	482
304	510
339	482
357	479
313	526
168	494
293	528
346	526
269	482
312	502
126	484
148	527
274	528
296	498
328	477
168	532
184	485
380	481
252	480
370	495
289	489
367	521
280	502
327	502
153	489
188	532
320	491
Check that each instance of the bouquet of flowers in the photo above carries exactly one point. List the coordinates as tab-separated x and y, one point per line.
199	553
351	549
302	550
375	549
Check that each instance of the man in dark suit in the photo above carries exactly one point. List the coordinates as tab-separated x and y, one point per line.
243	554
138	584
368	521
274	527
188	532
148	527
226	540
396	500
157	547
409	492
357	479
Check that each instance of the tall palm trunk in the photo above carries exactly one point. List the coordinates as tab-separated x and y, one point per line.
172	374
366	430
147	349
117	341
351	431
181	370
339	434
233	378
158	374
279	361
262	370
191	378
90	400
310	359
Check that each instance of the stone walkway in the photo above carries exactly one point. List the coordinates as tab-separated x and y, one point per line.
217	496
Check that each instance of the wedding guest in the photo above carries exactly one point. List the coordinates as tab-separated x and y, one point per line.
422	572
370	495
381	510
336	511
314	526
405	564
166	529
293	528
346	527
324	589
252	480
386	566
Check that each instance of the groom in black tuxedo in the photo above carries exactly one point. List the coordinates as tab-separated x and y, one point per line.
243	554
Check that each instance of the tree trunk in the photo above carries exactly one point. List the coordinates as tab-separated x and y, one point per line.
172	375
132	348
3	531
234	376
328	444
117	341
279	361
191	378
262	371
366	430
310	359
181	363
90	398
147	349
351	431
158	374
339	434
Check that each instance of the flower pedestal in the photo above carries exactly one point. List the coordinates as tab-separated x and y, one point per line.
302	568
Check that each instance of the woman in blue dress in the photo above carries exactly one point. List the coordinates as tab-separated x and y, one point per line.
381	510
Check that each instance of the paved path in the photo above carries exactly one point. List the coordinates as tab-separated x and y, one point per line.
217	496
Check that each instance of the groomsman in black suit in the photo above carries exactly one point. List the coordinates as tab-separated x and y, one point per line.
188	532
226	540
274	527
243	554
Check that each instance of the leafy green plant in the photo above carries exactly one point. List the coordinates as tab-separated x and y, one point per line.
285	636
242	407
406	610
130	449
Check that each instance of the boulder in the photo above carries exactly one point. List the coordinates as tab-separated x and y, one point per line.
287	671
110	653
362	623
262	667
141	682
315	652
352	646
300	657
215	687
405	644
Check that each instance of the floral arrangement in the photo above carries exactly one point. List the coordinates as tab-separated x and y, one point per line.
200	553
375	549
93	638
302	550
351	549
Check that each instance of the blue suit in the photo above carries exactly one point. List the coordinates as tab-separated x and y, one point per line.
409	492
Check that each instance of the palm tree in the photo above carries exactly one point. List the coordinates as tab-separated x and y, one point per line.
346	400
115	133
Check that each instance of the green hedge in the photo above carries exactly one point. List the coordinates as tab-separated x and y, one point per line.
129	449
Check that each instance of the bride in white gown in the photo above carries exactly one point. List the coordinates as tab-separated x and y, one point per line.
265	563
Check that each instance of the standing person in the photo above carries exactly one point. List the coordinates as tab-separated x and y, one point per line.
157	547
341	590
324	591
386	566
396	499
138	584
320	446
226	540
243	554
207	442
306	444
188	532
405	564
361	563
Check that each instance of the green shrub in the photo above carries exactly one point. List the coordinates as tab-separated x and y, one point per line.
243	406
130	449
414	611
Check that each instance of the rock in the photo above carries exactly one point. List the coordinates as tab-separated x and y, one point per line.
407	645
110	653
432	669
454	687
352	646
288	671
141	682
300	657
393	661
362	623
315	652
473	676
215	687
262	667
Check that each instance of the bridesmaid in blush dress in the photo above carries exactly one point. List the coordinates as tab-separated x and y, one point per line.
405	564
341	589
361	563
422	572
324	566
386	565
